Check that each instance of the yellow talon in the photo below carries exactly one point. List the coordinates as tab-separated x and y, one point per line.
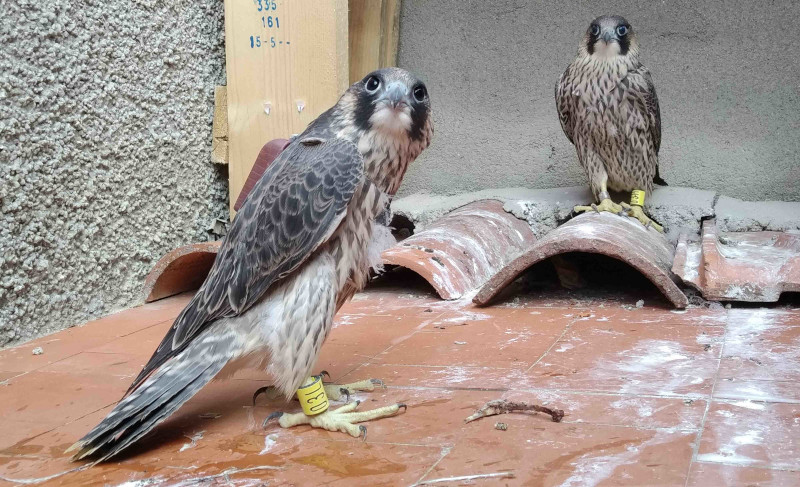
605	205
639	214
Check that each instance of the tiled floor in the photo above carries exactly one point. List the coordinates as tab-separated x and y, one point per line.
652	397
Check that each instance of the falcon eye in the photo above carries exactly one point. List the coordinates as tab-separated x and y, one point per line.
420	93
595	30
372	84
622	30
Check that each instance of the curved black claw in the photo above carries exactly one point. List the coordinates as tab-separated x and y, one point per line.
275	415
378	382
324	373
346	393
401	405
259	391
594	207
363	430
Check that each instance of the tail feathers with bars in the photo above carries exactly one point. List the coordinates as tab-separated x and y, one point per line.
160	395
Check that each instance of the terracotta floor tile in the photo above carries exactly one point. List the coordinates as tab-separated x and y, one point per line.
752	434
657	316
72	341
632	381
707	474
53	399
616	410
460	337
141	343
547	453
594	338
761	347
447	377
135	319
55	347
17	431
467	346
118	365
437	416
758	390
632	358
762	317
5	375
262	457
540	319
373	334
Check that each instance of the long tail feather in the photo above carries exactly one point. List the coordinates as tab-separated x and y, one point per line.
174	383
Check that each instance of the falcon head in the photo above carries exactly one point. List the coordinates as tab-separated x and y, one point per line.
392	101
609	36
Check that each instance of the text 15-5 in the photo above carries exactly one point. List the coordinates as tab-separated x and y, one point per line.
255	41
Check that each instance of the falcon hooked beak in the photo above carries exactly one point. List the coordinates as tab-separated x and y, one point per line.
395	97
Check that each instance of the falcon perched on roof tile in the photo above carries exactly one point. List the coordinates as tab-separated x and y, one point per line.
608	109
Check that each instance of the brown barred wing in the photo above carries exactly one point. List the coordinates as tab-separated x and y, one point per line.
294	208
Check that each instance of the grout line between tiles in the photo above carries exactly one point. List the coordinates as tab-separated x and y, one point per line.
444	452
696	445
566	329
371	360
739	465
585	392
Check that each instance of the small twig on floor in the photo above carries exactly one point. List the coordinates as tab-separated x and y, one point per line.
501	406
498	475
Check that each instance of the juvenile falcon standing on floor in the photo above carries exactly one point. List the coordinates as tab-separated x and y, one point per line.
608	108
297	250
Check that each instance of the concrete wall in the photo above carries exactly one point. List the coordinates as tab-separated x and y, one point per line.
105	136
726	74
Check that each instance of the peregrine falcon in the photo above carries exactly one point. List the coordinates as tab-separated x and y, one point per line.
608	109
299	248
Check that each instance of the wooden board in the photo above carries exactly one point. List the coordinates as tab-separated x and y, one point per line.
219	130
289	57
374	30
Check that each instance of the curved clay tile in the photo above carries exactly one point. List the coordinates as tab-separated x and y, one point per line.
183	269
462	250
624	239
266	155
752	267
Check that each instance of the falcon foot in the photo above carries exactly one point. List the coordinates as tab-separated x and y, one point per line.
605	205
337	391
637	212
334	391
344	419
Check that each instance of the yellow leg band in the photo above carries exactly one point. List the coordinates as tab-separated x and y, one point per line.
312	397
637	197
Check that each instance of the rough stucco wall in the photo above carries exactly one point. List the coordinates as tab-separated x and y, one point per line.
726	75
105	136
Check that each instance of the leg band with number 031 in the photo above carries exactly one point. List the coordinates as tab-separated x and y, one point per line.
637	197
312	397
